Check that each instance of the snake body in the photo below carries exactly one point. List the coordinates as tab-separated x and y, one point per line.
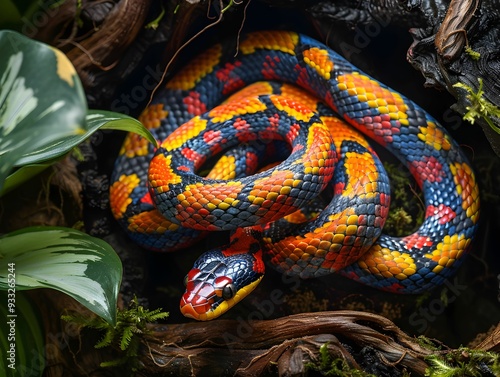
168	205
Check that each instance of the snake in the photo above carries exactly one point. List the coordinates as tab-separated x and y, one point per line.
287	97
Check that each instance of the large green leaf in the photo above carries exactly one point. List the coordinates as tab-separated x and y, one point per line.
84	267
23	174
95	120
21	332
41	99
108	120
34	162
30	164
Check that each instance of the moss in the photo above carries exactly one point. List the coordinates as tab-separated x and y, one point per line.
328	366
480	107
131	326
407	208
473	54
463	362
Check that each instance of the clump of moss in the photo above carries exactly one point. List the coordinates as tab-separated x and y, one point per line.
328	366
131	326
480	107
407	209
463	362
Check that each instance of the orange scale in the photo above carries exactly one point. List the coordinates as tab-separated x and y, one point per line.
395	270
320	253
332	257
184	204
341	260
342	220
386	274
282	198
370	262
327	237
263	194
216	201
197	217
403	265
208	197
183	214
267	204
189	222
327	265
191	200
203	212
300	246
450	262
443	261
341	230
391	264
310	249
307	255
276	188
279	208
203	201
314	242
382	267
220	195
374	270
324	245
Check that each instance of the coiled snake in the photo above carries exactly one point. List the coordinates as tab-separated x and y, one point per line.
167	206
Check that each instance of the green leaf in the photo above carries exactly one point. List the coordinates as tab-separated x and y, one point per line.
41	99
107	120
22	175
95	120
84	267
21	331
34	162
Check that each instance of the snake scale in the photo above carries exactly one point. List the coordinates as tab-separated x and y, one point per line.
291	98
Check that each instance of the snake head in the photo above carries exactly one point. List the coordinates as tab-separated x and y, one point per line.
220	278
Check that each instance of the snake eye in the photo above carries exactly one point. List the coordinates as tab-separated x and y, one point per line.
228	291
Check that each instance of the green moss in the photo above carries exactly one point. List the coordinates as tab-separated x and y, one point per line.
473	54
131	326
407	208
462	362
328	366
427	343
480	107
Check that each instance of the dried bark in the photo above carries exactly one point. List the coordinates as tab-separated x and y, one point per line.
492	341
